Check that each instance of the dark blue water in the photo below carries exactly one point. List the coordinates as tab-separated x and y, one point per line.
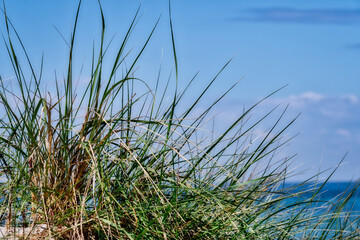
330	193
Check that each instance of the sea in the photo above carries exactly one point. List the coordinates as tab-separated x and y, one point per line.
330	192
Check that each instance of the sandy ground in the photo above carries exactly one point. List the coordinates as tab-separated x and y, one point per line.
20	233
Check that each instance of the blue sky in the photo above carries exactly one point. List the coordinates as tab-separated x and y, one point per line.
314	46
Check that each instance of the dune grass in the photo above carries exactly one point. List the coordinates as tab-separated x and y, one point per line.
110	164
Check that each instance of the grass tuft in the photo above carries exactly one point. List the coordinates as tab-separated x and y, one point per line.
109	164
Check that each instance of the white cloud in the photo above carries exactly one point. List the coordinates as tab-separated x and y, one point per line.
312	104
326	122
301	100
352	98
343	133
309	96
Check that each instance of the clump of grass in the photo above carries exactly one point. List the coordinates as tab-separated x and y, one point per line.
109	164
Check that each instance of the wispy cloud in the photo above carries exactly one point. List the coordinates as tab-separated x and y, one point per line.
331	123
337	108
313	97
305	16
304	98
343	133
329	127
